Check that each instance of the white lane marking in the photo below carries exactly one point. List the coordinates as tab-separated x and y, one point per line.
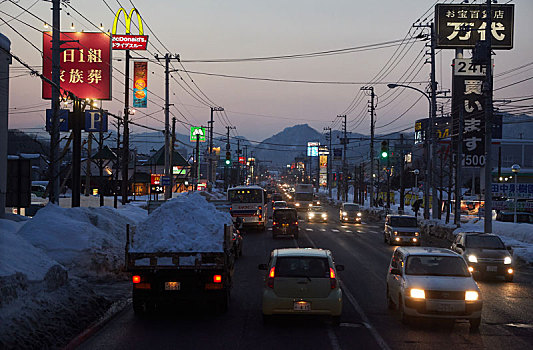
379	340
334	230
323	229
343	226
350	325
348	231
334	342
269	229
309	229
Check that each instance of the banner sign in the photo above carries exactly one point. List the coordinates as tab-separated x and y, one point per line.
312	149
63	120
155	179
86	64
509	190
462	25
140	84
95	121
129	42
197	132
467	96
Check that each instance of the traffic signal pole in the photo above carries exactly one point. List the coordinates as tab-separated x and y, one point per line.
488	124
372	125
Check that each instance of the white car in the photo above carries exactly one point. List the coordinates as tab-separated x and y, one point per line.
434	283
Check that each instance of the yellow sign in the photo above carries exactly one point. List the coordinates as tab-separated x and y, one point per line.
127	21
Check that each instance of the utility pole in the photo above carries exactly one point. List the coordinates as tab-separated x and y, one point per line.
238	161
435	203
172	145
197	163
228	149
245	164
488	122
126	138
88	163
115	177
76	152
101	161
344	169
54	167
330	152
372	126
459	159
355	185
211	125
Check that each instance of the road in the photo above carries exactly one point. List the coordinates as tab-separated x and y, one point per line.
366	322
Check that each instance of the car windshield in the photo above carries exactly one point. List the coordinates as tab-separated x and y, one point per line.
484	242
302	267
403	222
304	196
316	208
351	207
426	265
280	204
285	215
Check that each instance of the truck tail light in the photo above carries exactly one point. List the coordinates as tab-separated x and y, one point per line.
332	278
217	278
136	279
271	275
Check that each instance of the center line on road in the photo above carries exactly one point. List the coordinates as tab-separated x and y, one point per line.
309	229
323	229
333	340
334	230
348	231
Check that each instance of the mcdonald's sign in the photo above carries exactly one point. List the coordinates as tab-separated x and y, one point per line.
127	41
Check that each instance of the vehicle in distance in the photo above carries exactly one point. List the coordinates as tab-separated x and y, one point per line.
485	254
401	229
318	214
433	283
285	223
276	197
521	217
350	212
303	196
279	205
249	204
301	281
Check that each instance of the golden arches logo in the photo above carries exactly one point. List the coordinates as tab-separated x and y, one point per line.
127	20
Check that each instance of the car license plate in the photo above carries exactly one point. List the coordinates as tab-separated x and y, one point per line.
172	286
302	306
285	225
448	307
492	268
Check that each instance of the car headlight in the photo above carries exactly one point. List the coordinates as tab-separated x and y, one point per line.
359	214
311	215
297	204
395	233
344	213
471	295
310	204
507	260
324	215
317	202
472	258
417	293
417	233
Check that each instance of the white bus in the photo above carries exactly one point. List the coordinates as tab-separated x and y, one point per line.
249	204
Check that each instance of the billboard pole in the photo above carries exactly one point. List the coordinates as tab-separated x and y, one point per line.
54	132
126	132
488	123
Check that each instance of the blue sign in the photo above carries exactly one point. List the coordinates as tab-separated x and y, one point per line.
95	121
63	120
165	180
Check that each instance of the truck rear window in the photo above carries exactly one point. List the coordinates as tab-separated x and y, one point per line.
285	215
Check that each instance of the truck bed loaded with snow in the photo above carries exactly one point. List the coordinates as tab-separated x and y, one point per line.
182	253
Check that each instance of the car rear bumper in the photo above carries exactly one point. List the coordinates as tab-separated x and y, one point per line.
288	231
354	220
450	309
406	240
274	305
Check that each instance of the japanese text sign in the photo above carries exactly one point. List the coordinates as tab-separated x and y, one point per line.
312	149
197	132
129	42
140	84
510	190
86	65
462	25
155	179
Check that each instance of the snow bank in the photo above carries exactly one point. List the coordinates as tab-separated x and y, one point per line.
86	241
187	223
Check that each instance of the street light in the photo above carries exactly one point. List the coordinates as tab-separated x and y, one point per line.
515	169
429	168
416	172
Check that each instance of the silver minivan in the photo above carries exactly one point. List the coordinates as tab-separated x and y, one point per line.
401	229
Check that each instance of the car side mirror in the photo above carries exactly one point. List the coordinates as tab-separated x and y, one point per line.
509	248
395	271
262	267
339	267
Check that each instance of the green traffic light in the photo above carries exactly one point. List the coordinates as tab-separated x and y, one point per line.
384	154
228	162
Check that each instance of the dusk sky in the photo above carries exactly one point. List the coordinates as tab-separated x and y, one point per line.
199	30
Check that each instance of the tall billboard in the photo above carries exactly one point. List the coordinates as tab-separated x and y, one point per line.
86	64
140	84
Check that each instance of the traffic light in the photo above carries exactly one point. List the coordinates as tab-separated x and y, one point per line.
228	158
384	149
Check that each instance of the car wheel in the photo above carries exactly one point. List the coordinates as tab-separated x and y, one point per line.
474	324
509	278
406	319
390	303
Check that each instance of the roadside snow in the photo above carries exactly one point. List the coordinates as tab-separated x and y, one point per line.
187	223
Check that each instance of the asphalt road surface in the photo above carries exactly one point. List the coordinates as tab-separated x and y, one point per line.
366	323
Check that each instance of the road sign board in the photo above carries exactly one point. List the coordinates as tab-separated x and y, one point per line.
197	132
63	120
165	181
95	121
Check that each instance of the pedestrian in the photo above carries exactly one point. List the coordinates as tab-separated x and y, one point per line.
416	207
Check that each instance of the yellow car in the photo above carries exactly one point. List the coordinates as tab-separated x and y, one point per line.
301	281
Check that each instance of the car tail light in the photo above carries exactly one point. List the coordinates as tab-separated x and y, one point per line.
332	278
260	208
295	223
274	223
136	279
271	275
260	216
217	278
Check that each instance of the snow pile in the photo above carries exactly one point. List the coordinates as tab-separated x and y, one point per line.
86	241
187	223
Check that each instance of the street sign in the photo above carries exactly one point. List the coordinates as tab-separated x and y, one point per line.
463	25
157	189
197	132
155	179
312	149
63	120
95	121
129	42
165	180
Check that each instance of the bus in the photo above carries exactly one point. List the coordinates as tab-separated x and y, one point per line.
249	204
